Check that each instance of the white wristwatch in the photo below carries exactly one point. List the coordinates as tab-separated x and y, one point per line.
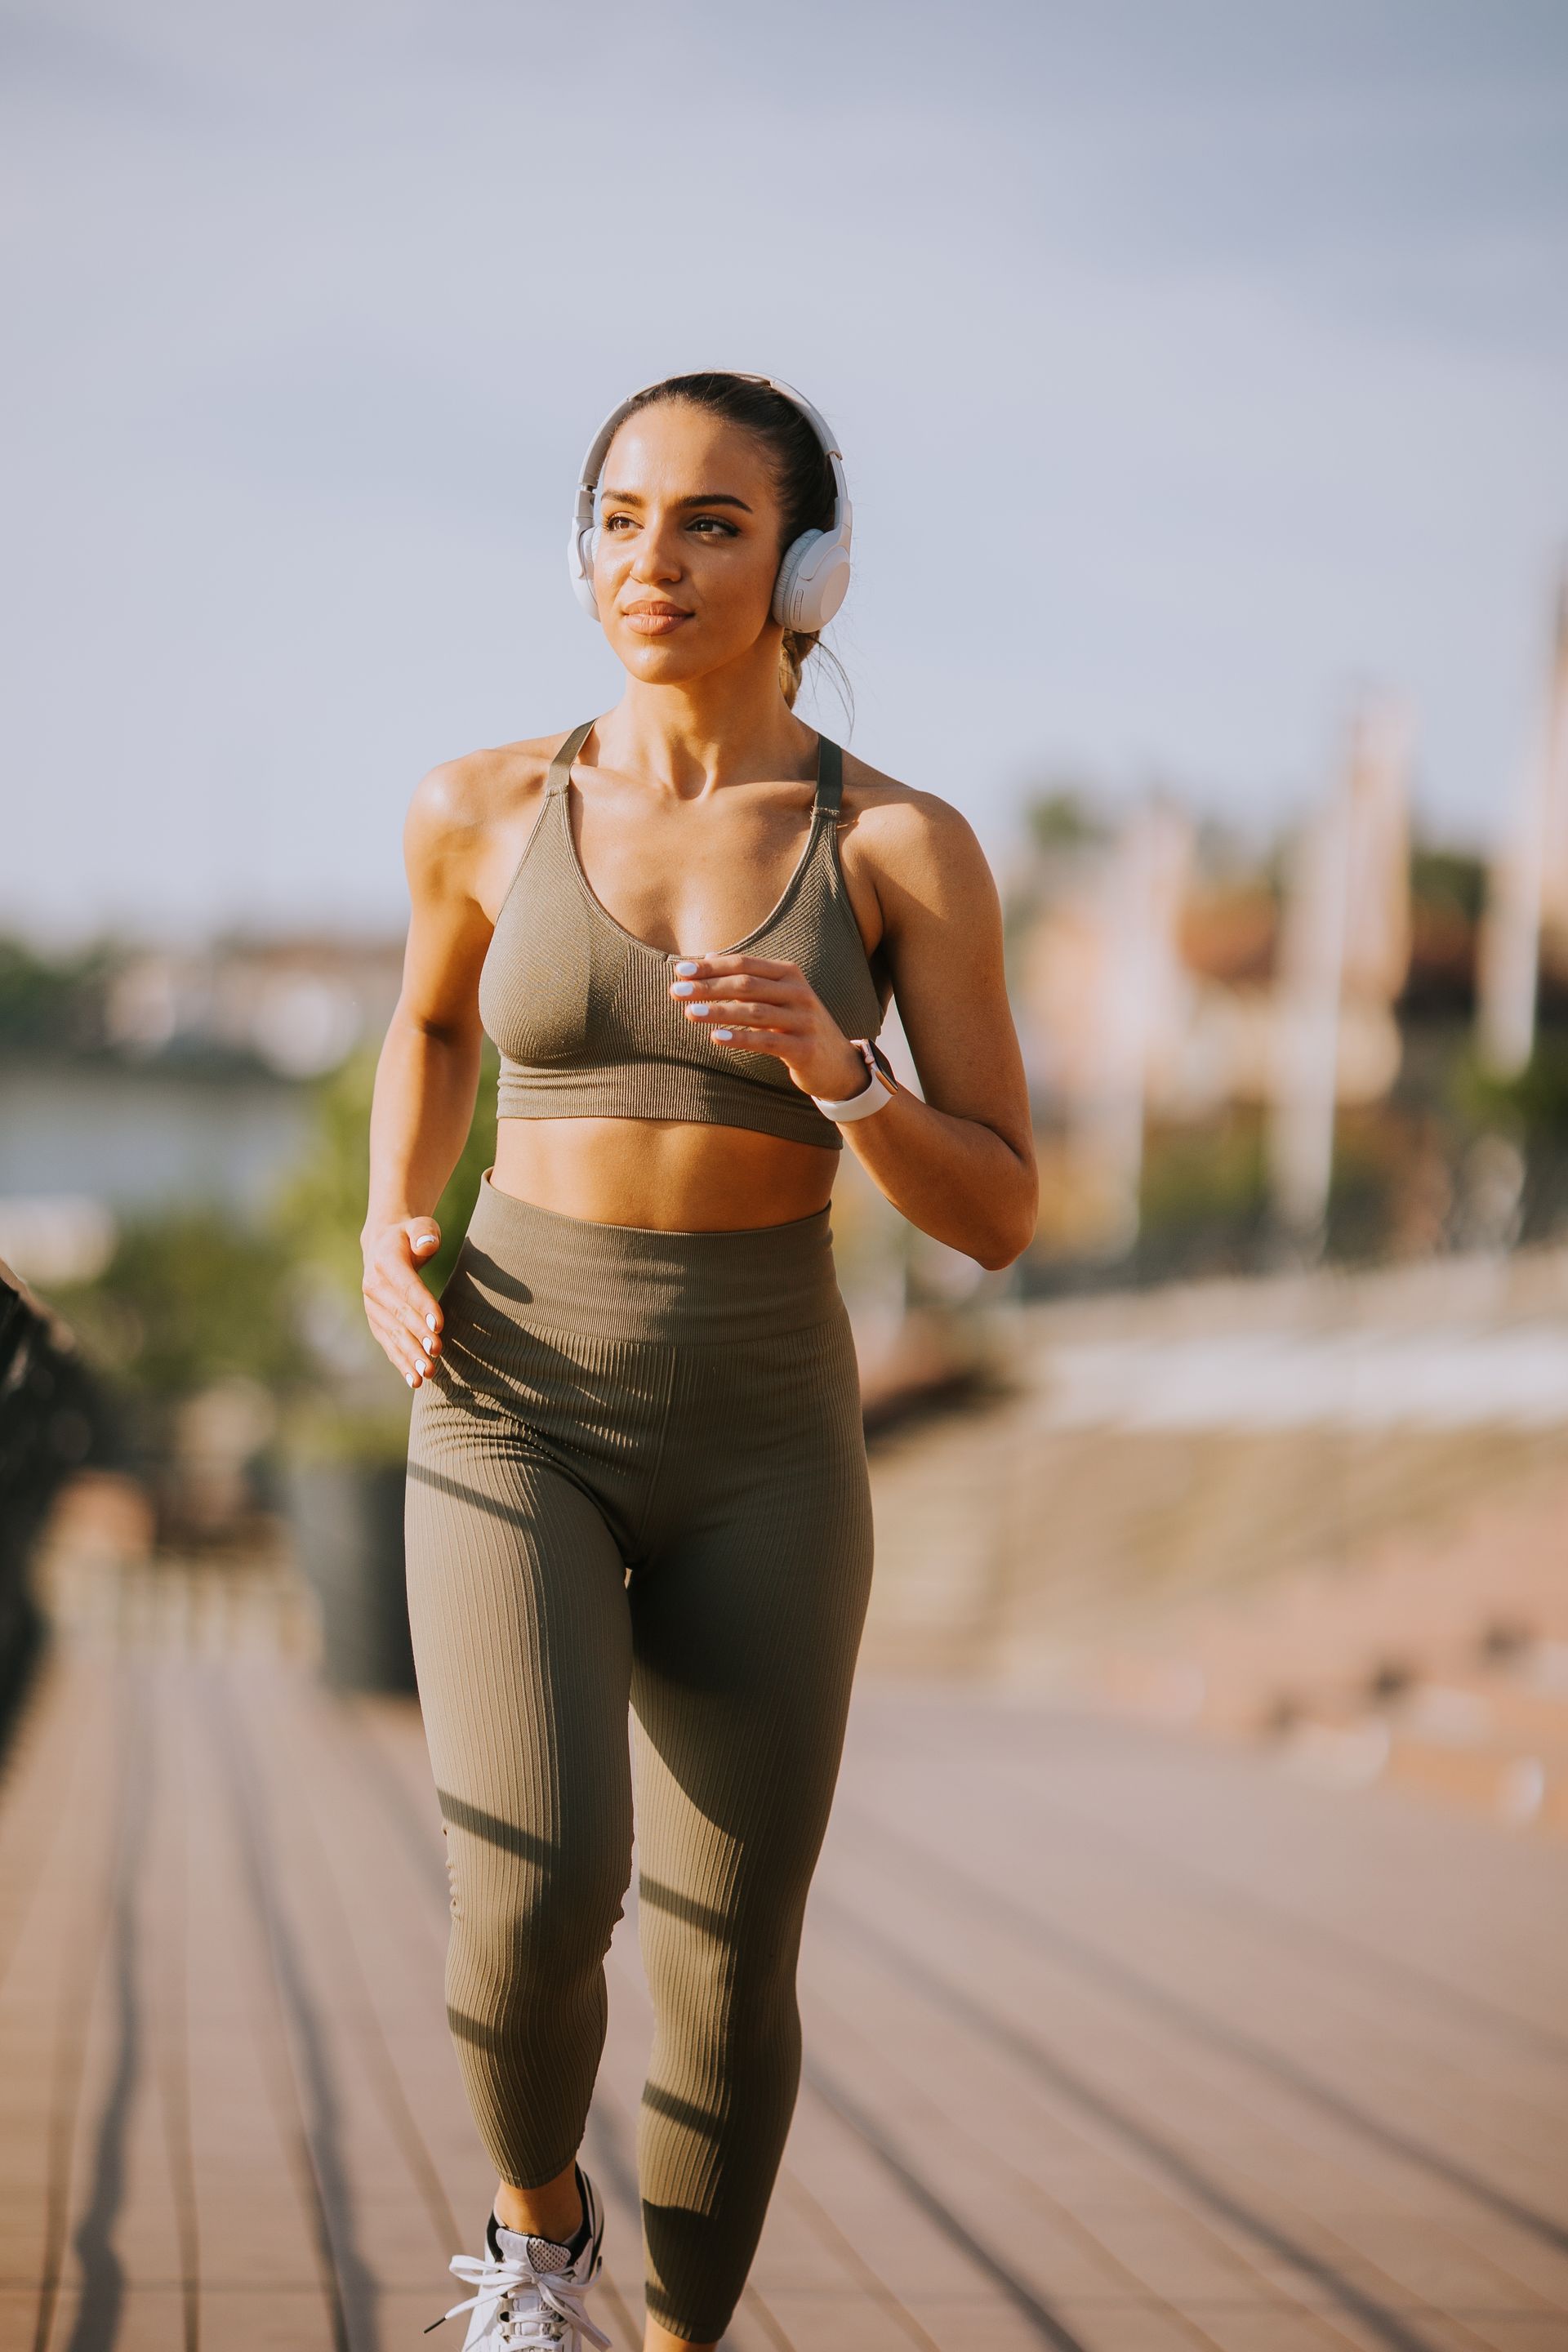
872	1097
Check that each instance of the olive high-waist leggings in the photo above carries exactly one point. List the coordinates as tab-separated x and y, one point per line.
637	1472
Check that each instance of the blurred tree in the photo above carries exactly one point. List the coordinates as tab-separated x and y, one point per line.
1060	828
1532	1106
49	1002
1060	816
1448	888
1204	1206
321	1210
1448	879
188	1297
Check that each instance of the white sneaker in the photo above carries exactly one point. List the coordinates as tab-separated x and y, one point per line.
528	2293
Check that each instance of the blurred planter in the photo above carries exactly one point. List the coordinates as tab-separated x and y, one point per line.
343	1501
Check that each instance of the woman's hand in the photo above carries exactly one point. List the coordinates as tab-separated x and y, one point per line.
403	1316
762	1007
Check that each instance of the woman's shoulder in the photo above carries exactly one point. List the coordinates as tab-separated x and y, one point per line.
473	806
478	788
902	832
469	817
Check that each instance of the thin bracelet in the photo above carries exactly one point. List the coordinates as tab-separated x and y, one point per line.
880	1091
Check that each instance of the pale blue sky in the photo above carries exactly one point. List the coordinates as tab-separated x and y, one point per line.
1190	361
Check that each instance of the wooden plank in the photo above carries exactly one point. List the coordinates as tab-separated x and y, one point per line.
261	2226
44	1779
1409	2006
1291	2164
50	2001
1183	2006
132	2219
994	2173
278	1957
1490	1910
1228	2128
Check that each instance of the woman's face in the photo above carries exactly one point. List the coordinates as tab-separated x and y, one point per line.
689	543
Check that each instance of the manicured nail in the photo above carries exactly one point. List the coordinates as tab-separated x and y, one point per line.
700	1011
685	968
429	1322
410	1378
683	988
721	1036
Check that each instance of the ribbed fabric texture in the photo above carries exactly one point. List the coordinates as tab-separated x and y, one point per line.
581	1011
637	1474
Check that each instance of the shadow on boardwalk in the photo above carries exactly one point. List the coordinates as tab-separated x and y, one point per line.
1113	2040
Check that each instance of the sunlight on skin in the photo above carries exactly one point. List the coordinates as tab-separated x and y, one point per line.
689	803
555	2210
660	2339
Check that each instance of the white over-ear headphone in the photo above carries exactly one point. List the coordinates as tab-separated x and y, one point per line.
813	571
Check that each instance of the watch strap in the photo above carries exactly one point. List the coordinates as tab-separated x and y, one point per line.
880	1091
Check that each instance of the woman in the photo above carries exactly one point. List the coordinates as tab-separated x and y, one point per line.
636	1471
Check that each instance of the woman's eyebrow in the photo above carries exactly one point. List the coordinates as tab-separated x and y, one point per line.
700	498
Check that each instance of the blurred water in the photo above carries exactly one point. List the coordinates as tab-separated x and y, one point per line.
141	1139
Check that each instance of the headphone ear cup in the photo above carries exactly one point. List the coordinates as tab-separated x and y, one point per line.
786	599
813	580
584	544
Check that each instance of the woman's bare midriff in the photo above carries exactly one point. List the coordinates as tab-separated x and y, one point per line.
669	1174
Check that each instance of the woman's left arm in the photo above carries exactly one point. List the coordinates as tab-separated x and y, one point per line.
961	1163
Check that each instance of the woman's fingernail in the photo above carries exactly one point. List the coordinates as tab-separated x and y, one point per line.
410	1378
721	1036
424	1364
429	1322
700	1012
685	968
683	988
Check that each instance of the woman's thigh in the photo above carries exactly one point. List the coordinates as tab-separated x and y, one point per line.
522	1640
747	1617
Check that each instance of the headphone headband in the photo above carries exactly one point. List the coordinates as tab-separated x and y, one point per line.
814	572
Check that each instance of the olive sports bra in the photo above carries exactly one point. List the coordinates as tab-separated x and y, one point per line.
581	1010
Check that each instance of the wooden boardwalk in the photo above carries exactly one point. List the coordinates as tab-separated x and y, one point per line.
1115	2042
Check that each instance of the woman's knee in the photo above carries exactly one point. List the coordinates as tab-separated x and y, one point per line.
736	1974
543	1923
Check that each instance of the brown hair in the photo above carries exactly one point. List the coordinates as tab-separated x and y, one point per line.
803	479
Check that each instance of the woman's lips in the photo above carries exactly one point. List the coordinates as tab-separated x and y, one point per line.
655	620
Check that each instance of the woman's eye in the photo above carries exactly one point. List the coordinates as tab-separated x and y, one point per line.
709	523
611	521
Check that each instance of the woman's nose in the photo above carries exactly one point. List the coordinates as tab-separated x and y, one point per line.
657	557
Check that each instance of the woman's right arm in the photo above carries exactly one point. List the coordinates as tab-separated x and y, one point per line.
427	1075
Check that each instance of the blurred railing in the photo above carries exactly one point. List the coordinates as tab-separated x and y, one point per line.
54	1420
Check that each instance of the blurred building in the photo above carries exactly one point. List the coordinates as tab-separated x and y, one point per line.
148	1077
1225	1021
297	1007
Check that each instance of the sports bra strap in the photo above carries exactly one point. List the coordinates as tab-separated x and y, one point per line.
830	778
561	766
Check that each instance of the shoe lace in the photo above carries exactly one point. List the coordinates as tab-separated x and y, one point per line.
557	2309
